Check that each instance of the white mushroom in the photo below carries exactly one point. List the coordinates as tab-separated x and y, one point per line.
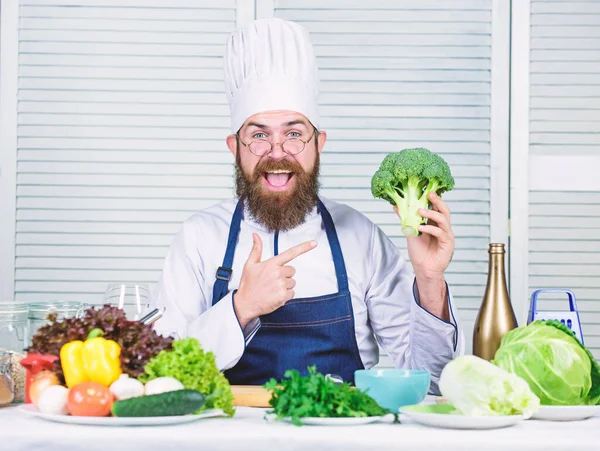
162	385
125	387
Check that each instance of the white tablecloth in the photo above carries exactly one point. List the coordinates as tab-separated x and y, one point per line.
248	430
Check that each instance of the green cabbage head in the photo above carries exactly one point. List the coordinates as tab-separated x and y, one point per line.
555	364
476	387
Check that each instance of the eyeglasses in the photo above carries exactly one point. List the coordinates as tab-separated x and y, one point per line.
292	146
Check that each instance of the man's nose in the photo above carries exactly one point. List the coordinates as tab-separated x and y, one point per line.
277	153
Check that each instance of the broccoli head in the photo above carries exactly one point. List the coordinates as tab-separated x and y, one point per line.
406	178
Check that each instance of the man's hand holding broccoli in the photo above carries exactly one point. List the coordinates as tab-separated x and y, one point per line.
412	181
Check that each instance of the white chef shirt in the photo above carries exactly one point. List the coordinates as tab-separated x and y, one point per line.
380	280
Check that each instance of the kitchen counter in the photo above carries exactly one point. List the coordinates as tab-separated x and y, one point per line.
248	430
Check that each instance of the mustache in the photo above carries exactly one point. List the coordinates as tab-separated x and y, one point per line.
277	165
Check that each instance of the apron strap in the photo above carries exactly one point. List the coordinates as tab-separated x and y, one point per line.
223	276
336	249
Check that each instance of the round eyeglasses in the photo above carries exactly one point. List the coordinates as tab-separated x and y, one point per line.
292	146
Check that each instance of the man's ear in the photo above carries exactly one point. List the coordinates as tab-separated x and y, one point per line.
232	144
322	138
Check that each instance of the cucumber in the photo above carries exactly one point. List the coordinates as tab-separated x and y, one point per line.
172	403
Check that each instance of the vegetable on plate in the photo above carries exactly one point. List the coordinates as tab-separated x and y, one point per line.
126	387
90	399
406	178
138	342
196	370
54	400
560	370
95	360
171	403
103	359
315	395
40	382
476	387
162	385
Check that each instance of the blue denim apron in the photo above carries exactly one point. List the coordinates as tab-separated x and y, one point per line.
305	331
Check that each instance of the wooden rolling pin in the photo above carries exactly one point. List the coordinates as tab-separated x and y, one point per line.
250	396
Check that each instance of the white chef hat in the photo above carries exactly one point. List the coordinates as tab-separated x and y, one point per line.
270	65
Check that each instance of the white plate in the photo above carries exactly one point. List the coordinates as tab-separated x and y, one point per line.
30	409
565	413
452	421
350	421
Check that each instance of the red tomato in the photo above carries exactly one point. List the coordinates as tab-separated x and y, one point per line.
90	399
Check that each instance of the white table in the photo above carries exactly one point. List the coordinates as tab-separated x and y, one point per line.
248	430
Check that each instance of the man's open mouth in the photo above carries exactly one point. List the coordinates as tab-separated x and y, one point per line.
278	179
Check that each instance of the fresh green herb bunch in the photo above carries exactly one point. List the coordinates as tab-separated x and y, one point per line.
315	395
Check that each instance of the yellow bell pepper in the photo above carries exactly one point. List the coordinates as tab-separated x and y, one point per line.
95	360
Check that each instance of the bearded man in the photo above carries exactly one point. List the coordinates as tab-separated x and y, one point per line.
280	277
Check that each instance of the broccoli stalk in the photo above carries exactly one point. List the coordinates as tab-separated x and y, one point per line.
413	197
406	178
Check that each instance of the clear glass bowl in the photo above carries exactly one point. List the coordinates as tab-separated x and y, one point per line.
132	298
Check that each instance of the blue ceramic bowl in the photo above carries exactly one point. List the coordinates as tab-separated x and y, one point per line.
393	388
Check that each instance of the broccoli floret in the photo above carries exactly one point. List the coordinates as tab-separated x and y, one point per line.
406	178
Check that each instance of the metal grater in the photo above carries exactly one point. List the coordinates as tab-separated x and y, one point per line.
569	318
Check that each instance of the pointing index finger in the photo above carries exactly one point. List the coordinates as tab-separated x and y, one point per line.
293	252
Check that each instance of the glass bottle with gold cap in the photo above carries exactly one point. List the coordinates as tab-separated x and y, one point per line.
496	316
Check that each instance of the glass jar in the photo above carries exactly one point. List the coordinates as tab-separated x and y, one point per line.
13	327
13	340
7	389
39	311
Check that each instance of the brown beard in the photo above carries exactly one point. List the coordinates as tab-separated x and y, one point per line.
278	210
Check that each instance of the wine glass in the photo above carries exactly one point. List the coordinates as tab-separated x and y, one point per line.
133	299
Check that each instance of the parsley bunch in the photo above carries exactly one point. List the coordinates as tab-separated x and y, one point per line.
315	395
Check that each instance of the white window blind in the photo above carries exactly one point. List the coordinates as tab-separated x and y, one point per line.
121	128
564	211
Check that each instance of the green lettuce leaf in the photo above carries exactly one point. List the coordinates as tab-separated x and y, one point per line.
195	369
